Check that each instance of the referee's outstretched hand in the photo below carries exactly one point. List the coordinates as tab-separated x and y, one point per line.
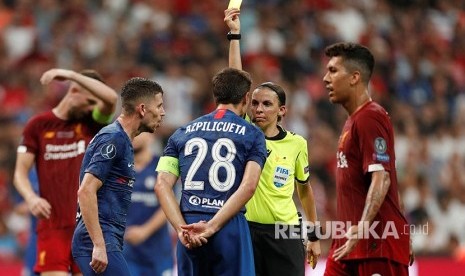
231	18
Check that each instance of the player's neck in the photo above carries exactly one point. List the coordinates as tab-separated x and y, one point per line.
129	126
231	107
357	103
60	111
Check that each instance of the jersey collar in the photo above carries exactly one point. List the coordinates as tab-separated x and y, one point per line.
282	133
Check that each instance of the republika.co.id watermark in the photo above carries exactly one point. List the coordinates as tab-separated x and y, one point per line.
338	230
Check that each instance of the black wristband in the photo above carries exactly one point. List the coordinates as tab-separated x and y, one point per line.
312	233
231	36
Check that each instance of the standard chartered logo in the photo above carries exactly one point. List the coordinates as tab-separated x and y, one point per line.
65	151
341	160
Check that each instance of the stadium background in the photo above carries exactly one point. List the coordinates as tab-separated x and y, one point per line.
419	46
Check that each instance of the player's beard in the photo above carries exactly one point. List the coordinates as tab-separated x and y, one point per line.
146	128
76	114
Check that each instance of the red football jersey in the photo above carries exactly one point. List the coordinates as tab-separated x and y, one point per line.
367	145
59	147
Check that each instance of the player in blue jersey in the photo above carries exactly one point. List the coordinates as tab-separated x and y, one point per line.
271	212
107	176
148	247
30	254
219	158
31	246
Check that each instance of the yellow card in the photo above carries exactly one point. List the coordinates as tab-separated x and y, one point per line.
235	4
312	262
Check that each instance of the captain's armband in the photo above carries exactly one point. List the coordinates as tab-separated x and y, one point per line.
168	164
101	118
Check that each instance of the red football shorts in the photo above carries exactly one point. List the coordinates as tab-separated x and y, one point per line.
370	267
54	251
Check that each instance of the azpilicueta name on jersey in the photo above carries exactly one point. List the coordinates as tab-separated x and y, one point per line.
216	126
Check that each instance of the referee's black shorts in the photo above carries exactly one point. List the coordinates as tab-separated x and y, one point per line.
282	254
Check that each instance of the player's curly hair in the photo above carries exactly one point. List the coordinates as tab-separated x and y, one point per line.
355	57
135	89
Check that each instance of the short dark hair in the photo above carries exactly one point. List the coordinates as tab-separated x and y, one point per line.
279	92
135	89
92	74
230	86
355	57
277	89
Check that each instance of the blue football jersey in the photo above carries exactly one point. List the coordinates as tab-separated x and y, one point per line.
144	202
212	152
30	253
110	158
144	205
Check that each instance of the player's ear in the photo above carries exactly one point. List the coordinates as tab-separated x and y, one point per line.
282	111
356	78
140	109
74	89
246	99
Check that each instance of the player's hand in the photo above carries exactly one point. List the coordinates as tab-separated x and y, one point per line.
22	209
99	259
313	253
135	234
57	74
184	238
352	240
412	253
190	241
231	18
39	207
198	233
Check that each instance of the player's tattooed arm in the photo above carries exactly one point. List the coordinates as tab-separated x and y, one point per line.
380	182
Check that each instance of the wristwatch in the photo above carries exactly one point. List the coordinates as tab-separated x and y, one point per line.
231	36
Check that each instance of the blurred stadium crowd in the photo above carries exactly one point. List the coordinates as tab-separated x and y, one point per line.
419	46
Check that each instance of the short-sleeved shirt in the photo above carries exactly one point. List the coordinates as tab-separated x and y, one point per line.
210	154
143	207
366	145
58	146
287	162
110	158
